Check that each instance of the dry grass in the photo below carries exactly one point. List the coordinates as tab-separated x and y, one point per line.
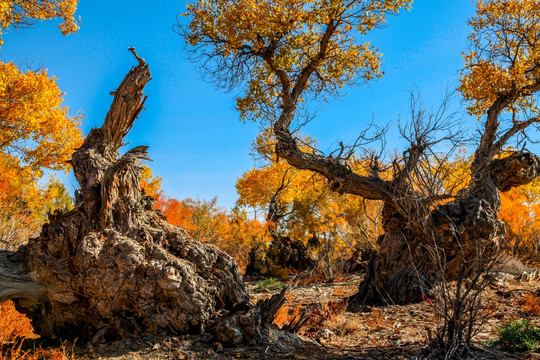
15	352
344	325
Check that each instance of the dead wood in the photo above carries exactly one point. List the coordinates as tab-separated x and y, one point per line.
113	267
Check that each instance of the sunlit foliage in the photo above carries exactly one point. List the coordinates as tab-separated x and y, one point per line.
520	211
273	46
504	57
306	208
25	201
16	13
36	133
149	183
33	122
13	325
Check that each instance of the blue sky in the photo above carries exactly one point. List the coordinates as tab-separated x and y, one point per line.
198	144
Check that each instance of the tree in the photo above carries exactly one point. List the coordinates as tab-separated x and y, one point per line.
14	13
36	131
33	123
286	52
112	267
520	212
25	202
149	183
301	210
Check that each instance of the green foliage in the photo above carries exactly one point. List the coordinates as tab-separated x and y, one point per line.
518	336
271	284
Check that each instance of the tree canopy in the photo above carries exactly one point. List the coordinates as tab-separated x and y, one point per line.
36	131
15	13
272	48
33	121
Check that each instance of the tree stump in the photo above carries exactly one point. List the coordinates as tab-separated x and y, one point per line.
283	254
113	267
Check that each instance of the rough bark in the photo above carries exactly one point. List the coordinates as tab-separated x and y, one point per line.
464	229
467	231
113	267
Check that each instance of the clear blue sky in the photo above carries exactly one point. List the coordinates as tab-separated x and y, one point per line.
198	144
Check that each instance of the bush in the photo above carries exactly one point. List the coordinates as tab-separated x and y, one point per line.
518	336
271	284
530	304
14	325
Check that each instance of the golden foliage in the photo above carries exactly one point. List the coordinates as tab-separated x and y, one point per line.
33	123
520	211
530	304
272	43
309	210
15	13
149	183
14	325
504	54
36	131
24	202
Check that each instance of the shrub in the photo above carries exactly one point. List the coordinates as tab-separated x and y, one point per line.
271	284
530	304
13	325
518	336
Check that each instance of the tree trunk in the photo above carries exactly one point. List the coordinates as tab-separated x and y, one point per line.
113	267
417	251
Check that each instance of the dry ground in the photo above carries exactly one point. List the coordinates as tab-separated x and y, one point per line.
386	332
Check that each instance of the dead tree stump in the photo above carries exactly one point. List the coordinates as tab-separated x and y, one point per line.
113	267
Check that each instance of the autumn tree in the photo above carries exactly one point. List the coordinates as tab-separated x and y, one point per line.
36	131
35	126
25	202
149	183
16	14
520	211
284	53
301	210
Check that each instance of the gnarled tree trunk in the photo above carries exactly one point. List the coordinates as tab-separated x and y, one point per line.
113	267
465	232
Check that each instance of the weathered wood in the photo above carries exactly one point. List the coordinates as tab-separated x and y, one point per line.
412	221
14	282
113	267
270	307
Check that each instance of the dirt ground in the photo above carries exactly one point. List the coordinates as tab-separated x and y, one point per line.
384	332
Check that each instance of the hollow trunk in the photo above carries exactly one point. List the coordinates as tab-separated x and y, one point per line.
113	267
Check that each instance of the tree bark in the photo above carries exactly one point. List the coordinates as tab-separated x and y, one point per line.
113	267
465	232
